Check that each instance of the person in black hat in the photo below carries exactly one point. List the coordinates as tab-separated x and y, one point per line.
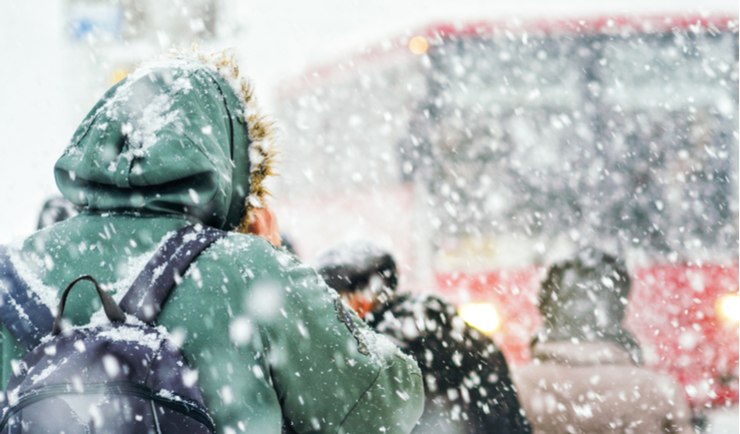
467	383
55	210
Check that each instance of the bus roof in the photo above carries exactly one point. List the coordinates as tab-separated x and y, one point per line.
615	25
395	48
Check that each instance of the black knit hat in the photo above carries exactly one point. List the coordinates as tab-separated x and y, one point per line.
350	267
287	243
55	210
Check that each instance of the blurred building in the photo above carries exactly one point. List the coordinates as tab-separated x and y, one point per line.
110	37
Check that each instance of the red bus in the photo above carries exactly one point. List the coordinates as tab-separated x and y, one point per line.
482	152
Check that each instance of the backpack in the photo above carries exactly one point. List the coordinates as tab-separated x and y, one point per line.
125	376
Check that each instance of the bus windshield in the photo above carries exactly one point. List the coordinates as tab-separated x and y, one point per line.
619	141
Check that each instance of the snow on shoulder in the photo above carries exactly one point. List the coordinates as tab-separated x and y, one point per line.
382	350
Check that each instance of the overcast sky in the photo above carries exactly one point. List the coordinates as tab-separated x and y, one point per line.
279	39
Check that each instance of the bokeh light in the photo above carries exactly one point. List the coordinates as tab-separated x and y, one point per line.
481	316
118	74
728	307
418	45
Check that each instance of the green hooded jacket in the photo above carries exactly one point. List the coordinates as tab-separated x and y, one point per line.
178	142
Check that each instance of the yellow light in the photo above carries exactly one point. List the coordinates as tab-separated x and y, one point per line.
418	45
118	74
728	307
481	316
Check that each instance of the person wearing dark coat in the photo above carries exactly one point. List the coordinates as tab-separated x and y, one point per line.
586	374
468	388
55	210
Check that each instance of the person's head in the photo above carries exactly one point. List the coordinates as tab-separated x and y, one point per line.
55	210
586	296
362	273
182	135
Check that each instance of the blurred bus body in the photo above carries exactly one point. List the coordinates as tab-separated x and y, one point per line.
481	152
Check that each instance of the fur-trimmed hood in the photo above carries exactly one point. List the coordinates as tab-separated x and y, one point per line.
182	134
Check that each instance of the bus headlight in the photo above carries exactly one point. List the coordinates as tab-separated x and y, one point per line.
728	307
481	316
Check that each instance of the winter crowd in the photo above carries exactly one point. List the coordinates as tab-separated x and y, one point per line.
209	325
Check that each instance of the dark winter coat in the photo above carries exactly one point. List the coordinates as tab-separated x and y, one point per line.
596	387
468	387
585	298
177	143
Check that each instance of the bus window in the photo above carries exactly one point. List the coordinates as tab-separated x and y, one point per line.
669	109
619	141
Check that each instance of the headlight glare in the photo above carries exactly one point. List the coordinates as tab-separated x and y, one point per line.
728	307
481	316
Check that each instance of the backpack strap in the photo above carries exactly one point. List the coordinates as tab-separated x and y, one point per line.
21	309
154	284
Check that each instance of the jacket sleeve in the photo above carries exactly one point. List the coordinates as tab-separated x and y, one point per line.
330	371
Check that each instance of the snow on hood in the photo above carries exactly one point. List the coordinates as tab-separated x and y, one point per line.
181	134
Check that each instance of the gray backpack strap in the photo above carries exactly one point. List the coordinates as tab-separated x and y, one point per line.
151	288
21	309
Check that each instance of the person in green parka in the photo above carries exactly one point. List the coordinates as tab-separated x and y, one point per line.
181	141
